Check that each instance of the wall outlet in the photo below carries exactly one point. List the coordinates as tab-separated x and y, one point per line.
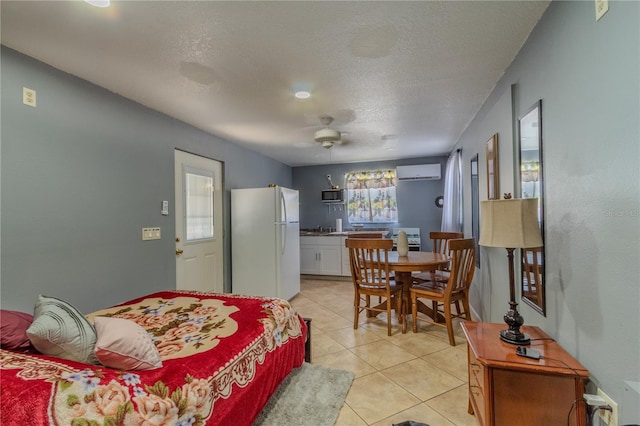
609	418
602	6
29	97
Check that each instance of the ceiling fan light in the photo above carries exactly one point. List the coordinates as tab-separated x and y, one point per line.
99	3
302	94
326	134
327	144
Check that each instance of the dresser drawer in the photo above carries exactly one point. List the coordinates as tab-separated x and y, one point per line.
477	389
476	372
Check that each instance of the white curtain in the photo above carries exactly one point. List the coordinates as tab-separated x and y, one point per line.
452	210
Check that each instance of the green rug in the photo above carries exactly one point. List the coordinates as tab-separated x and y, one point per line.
311	395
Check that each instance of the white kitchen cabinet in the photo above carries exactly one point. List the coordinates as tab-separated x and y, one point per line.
346	267
321	255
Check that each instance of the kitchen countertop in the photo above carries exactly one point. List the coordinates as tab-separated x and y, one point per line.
314	233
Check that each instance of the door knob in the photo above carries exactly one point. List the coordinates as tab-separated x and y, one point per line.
179	252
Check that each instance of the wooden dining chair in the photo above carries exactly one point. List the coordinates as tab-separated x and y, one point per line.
454	292
369	260
440	242
532	274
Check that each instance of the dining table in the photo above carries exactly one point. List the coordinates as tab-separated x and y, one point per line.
403	266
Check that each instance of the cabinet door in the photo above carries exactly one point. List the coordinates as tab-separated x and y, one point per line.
346	268
330	260
308	259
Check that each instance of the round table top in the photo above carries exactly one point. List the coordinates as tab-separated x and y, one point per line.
417	261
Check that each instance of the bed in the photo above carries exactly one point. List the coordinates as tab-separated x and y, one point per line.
221	356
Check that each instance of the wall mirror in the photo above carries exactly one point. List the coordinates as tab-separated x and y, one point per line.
475	206
531	186
493	177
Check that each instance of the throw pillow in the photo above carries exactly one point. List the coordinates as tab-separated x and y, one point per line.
13	330
124	345
59	329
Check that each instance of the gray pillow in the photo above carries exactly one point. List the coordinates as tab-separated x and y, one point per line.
60	330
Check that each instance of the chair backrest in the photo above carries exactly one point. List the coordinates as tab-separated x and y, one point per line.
441	240
369	260
531	268
463	260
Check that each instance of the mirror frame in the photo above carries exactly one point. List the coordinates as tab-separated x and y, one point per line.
530	135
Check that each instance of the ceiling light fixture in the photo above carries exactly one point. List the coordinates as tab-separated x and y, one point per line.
302	94
99	3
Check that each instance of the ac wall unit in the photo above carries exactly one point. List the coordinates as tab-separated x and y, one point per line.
419	171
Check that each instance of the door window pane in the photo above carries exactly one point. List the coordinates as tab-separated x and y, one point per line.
199	205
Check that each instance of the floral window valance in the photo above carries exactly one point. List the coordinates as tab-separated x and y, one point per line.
371	196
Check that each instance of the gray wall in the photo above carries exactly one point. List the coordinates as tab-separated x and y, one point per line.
587	75
81	174
416	206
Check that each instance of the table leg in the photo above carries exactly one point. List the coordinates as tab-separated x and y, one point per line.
404	278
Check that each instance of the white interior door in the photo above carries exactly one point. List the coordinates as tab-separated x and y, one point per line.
199	220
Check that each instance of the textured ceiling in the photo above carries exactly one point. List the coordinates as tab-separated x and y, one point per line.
415	72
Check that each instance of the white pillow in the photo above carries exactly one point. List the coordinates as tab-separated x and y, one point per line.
60	330
124	345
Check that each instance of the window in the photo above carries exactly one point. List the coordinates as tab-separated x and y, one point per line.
371	197
199	204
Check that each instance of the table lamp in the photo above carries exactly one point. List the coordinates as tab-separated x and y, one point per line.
511	224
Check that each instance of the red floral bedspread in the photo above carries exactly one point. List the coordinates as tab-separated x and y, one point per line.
223	356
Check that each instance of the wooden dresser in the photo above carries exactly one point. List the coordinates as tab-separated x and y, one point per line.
508	389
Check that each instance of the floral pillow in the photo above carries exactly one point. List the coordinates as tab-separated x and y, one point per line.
59	329
124	345
13	330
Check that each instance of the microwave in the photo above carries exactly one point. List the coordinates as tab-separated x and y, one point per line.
332	195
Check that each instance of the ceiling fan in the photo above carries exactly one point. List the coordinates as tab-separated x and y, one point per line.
327	136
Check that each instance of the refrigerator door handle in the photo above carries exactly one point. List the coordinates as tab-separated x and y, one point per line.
283	204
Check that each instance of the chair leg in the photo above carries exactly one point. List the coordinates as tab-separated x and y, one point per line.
389	316
356	311
467	308
414	312
458	307
449	321
434	309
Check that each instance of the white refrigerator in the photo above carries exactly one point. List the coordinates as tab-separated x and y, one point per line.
265	242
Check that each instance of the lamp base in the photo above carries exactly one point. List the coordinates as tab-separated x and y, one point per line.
514	338
514	320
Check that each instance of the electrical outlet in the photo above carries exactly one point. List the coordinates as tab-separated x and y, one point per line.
29	97
609	418
602	6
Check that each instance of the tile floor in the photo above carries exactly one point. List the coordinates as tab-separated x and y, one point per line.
417	377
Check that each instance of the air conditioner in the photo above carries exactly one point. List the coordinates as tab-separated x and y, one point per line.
419	171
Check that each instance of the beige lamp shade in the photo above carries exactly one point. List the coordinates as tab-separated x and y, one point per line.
510	223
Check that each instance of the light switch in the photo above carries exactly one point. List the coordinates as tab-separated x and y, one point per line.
151	234
165	208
